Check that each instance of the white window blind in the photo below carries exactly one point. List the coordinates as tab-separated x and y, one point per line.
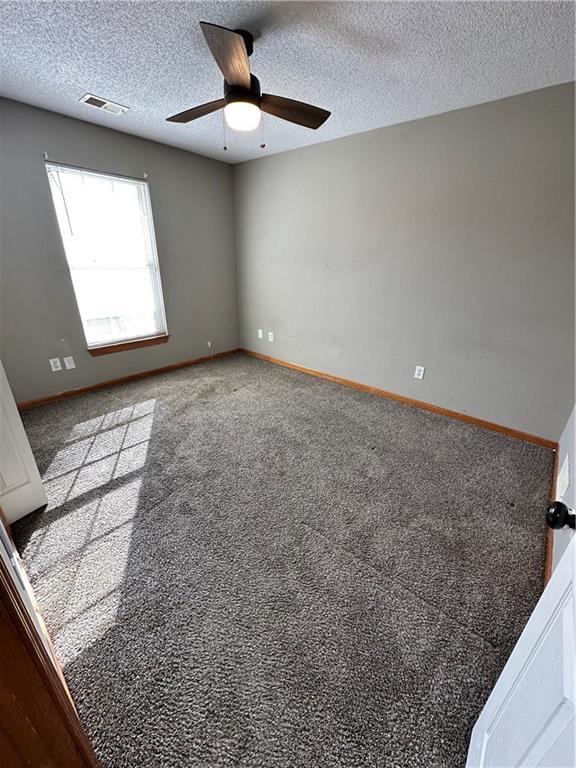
108	235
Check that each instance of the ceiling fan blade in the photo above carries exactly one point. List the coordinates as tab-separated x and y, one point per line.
294	111
193	114
229	50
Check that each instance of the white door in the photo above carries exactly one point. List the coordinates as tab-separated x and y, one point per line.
529	720
21	489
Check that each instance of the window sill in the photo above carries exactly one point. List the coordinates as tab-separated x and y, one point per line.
121	346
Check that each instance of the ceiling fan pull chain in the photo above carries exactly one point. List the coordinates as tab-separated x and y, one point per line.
262	144
224	136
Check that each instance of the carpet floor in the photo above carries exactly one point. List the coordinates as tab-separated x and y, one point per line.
242	565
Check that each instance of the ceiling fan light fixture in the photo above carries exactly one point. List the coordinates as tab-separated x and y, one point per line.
243	101
242	115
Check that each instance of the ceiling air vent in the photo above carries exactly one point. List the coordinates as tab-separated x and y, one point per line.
103	104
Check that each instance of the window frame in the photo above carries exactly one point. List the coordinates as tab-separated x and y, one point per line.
134	342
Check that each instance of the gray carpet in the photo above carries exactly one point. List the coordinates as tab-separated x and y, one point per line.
242	565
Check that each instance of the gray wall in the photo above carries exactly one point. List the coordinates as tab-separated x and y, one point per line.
446	242
192	207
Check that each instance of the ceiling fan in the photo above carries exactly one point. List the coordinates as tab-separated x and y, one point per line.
243	101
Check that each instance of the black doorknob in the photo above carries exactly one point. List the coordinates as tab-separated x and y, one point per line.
558	515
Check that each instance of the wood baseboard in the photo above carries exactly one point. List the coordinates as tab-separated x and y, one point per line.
543	441
123	380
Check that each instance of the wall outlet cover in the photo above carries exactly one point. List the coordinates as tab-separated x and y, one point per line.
419	372
270	336
260	333
55	364
69	363
563	479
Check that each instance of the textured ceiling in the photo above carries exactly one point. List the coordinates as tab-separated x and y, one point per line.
371	63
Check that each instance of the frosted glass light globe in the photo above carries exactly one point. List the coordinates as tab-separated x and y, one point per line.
242	115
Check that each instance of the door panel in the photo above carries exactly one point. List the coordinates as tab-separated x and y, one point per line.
529	720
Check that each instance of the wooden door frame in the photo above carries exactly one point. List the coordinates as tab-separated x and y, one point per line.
39	724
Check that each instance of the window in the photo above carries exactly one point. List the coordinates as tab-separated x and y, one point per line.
108	234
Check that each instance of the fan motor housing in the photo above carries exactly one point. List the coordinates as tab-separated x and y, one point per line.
236	93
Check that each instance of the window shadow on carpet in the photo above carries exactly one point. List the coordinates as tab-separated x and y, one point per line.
80	547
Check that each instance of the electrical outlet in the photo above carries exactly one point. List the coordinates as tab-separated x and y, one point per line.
55	364
69	363
260	333
563	479
419	372
270	336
